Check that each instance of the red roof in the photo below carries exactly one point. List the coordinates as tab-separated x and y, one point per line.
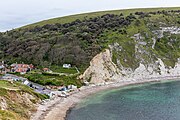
21	70
31	66
45	69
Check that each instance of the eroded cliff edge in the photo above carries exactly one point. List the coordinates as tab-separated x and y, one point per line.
102	70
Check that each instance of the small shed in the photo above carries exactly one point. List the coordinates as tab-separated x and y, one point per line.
66	65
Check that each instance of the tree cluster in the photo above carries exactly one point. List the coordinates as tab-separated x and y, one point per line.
75	43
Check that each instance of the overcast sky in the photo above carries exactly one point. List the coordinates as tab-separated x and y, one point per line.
16	13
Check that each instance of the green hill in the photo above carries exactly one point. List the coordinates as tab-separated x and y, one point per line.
72	18
134	36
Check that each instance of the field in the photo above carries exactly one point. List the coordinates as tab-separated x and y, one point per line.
59	69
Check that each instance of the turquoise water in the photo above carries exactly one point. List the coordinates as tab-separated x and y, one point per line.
157	101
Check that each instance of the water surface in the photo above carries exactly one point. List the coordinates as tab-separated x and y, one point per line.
157	101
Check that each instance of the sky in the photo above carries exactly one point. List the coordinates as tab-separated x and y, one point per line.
17	13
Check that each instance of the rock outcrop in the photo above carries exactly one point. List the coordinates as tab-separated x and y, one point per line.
101	69
155	70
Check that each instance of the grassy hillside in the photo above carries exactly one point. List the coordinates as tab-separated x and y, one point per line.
17	101
71	18
134	36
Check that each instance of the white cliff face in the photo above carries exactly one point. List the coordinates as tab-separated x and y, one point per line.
155	70
154	43
102	69
176	70
163	70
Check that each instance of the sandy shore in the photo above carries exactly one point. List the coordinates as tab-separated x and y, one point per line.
57	108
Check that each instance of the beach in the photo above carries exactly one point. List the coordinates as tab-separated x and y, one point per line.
57	108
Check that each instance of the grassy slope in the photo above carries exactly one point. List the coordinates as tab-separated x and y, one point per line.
50	79
8	115
71	18
162	50
15	109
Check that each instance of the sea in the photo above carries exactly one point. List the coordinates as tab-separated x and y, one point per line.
149	101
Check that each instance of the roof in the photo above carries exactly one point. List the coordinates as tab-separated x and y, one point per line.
45	69
22	65
21	69
1	66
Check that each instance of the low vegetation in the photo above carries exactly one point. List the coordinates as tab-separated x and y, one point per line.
54	79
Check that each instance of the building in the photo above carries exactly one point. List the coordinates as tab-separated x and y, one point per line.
72	87
21	68
47	70
3	68
66	65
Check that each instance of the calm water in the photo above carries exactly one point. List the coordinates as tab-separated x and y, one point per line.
157	101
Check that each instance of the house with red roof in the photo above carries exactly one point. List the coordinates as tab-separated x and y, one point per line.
21	68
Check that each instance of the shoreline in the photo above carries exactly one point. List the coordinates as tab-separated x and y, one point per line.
58	109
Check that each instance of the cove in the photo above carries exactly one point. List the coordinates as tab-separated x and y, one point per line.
150	101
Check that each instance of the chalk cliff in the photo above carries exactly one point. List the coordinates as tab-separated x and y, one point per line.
102	69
